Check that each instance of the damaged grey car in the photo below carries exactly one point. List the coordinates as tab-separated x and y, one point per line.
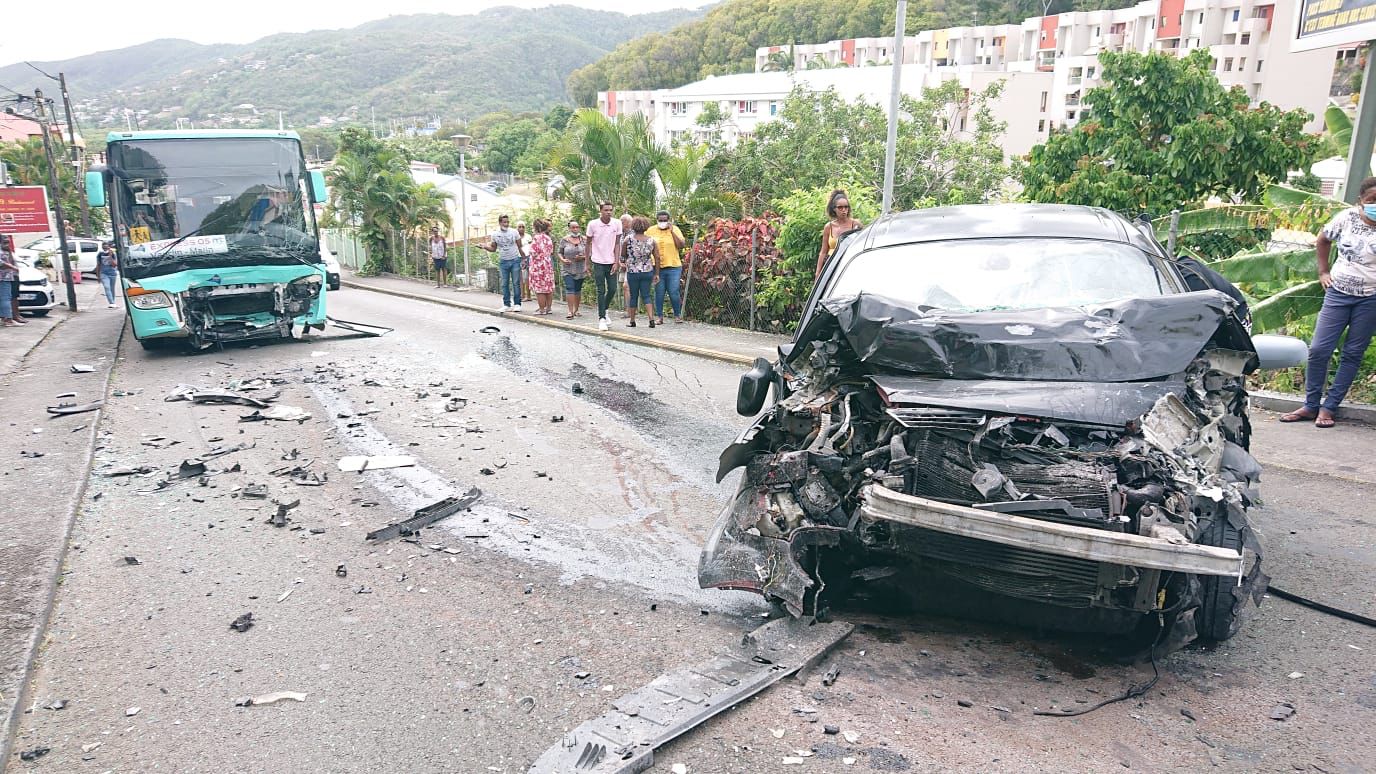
1024	410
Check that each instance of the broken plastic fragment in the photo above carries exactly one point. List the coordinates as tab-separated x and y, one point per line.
271	698
358	464
243	623
82	368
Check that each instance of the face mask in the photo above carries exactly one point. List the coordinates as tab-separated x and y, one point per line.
664	224
1369	210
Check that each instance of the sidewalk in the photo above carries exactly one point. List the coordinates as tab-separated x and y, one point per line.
17	342
719	342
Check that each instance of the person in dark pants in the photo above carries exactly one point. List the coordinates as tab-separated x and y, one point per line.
602	246
108	267
1349	305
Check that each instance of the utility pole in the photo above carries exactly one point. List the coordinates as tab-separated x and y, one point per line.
891	147
76	156
57	200
1363	131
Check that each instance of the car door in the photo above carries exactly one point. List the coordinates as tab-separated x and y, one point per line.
87	252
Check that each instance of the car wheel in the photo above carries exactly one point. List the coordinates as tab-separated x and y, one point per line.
334	285
38	313
1217	619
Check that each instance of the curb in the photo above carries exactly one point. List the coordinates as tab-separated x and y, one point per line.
40	630
1281	402
687	349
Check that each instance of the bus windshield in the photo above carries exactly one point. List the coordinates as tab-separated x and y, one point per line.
210	202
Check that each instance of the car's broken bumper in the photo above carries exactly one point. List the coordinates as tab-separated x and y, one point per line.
1095	545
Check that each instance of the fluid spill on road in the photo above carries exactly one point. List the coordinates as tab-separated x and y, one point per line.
658	560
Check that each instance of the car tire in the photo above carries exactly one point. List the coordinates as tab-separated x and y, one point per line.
334	285
157	345
1217	619
37	312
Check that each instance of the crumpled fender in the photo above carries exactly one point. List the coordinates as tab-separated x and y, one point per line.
737	556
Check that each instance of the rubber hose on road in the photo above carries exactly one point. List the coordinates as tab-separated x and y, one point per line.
1322	608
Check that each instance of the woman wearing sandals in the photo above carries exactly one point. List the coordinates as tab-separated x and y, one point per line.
9	270
640	253
1349	304
542	267
575	264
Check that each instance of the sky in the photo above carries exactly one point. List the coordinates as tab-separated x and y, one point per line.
102	26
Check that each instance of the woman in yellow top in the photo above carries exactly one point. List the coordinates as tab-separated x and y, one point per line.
838	209
671	242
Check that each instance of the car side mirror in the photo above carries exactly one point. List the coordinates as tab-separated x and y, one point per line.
318	193
95	188
1274	351
754	388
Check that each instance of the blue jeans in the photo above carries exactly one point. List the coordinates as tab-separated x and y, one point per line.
1356	315
511	282
108	281
639	284
7	305
668	281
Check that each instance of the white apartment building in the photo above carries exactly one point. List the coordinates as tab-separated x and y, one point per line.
749	99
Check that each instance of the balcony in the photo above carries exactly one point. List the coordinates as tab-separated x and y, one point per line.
1074	80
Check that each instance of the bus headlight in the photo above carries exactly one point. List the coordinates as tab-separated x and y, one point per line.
149	299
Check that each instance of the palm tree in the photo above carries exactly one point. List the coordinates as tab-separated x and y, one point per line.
604	159
684	195
26	161
780	62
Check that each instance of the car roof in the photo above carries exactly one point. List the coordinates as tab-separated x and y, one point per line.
976	221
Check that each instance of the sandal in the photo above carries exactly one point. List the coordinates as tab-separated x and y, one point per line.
630	324
568	317
1324	422
652	322
1299	415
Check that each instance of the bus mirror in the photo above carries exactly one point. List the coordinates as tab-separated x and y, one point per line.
95	188
317	187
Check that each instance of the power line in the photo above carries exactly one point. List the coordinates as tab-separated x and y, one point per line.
40	72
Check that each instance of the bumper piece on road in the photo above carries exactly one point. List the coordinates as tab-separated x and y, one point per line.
623	741
883	504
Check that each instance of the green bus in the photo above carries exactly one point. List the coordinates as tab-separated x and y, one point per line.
216	235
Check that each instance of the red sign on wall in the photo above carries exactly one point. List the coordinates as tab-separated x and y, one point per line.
23	209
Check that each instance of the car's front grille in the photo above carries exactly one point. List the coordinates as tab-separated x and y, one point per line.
33	283
1016	572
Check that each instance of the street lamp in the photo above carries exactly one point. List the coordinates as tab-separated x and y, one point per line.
462	140
891	146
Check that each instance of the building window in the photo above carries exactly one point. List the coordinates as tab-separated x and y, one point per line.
1041	125
1246	38
1045	94
773	108
1096	32
1201	17
745	107
1228	65
1070	115
1259	61
1237	14
1090	72
1163	21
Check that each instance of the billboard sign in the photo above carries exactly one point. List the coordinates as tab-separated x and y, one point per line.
24	209
1330	23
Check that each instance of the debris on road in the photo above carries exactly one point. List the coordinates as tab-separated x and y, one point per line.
127	470
427	515
278	413
279	519
341	571
254	492
191	469
679	700
243	623
1283	711
526	703
132	560
830	677
831	730
56	704
37	752
360	464
366	329
202	395
132	711
557	418
270	698
64	409
82	368
489	329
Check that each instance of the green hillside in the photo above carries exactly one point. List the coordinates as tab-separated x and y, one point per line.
725	38
403	66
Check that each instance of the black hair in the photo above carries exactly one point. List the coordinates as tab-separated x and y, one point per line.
1366	185
661	214
839	193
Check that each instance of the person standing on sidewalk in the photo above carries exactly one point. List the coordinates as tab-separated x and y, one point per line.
670	242
641	255
9	270
108	265
1349	305
525	241
626	219
573	257
506	243
439	256
603	246
542	267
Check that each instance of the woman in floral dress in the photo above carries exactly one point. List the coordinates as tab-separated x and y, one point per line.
542	267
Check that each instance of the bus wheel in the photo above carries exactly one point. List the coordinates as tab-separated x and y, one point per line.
157	345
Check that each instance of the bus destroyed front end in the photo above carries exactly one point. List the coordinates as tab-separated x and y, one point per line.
211	306
1080	469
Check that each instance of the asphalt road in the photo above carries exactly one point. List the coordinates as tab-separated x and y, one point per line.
580	558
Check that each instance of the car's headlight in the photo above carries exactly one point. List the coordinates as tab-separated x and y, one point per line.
150	299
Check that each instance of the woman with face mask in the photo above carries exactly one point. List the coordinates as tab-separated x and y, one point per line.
1349	304
670	241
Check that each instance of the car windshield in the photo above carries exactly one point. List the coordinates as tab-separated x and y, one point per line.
972	275
230	201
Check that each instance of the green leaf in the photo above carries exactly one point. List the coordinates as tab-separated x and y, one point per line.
1259	267
1289	305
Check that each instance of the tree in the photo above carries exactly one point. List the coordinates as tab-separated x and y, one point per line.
1163	133
319	144
681	176
948	150
508	141
604	159
28	165
780	62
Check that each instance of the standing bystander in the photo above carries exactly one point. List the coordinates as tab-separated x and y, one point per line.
9	310
439	256
525	240
603	246
670	241
626	219
574	260
507	245
542	267
838	209
641	255
108	265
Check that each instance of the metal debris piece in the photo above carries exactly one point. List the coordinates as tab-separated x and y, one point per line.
279	519
1283	711
56	704
428	515
221	451
221	396
243	623
831	675
131	560
132	711
126	470
255	492
191	469
577	388
63	409
557	418
360	464
455	404
341	571
365	329
489	329
278	413
82	368
37	752
270	698
31	454
680	700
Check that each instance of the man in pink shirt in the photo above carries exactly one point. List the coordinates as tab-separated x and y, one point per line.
603	248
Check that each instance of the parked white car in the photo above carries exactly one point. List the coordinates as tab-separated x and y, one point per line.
82	249
36	294
331	266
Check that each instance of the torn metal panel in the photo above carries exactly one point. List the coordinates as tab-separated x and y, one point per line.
623	740
1100	403
1119	341
366	329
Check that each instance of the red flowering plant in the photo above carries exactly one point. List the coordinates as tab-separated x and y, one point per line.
719	264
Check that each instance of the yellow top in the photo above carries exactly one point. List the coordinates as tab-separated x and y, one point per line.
668	251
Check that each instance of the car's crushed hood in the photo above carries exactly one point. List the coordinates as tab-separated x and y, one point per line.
1129	340
1098	403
